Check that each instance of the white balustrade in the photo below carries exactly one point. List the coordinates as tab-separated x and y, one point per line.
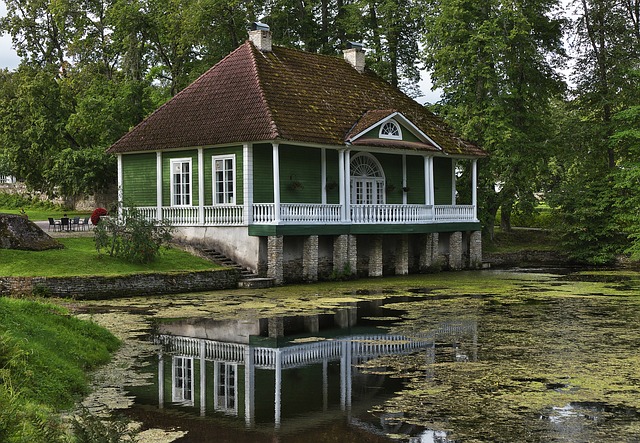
454	213
263	213
309	213
306	213
223	215
391	214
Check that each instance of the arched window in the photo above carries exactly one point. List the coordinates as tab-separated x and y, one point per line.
367	180
391	129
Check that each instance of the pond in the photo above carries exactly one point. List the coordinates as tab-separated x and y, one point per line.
485	356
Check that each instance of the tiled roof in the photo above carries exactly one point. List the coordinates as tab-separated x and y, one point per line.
285	95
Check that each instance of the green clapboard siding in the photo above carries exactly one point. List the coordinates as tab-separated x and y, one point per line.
166	175
392	167
262	173
208	172
300	174
333	177
139	179
442	180
415	179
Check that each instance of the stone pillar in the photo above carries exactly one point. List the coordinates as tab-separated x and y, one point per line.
275	327
340	253
428	251
275	255
353	254
455	251
375	256
310	258
402	255
475	250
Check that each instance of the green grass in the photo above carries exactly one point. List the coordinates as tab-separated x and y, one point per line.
45	356
521	240
43	214
79	258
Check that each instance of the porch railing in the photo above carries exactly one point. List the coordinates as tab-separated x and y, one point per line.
391	213
305	213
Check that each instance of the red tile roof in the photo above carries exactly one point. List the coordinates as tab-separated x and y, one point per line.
283	95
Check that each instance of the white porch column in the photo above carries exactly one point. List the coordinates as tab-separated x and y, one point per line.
342	185
249	386
160	380
404	178
203	380
474	188
323	174
278	389
247	179
453	182
120	183
201	186
347	194
276	183
429	185
159	185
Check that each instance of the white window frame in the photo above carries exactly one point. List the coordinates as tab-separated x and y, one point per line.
214	158
182	375
226	387
370	188
396	125
175	161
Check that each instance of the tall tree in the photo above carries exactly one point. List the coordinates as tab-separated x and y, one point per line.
494	61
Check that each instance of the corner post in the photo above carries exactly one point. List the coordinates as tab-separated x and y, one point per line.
159	185
276	183
200	186
474	188
247	179
120	183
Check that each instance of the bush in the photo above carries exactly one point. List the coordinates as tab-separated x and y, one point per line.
133	239
96	214
17	201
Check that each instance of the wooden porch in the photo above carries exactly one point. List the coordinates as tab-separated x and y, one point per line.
309	214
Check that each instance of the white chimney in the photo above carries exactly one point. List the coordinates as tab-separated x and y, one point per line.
354	55
260	36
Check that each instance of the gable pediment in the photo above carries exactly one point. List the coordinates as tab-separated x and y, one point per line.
389	128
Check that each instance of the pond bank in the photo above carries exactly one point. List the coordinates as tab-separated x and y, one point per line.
105	287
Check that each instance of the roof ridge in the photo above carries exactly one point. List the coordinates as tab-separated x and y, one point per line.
254	64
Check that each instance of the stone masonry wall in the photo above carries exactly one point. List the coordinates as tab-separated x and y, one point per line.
119	286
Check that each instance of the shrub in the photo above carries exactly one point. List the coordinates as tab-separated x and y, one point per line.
96	214
134	238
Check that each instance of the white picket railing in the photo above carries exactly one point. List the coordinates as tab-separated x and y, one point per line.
454	213
391	213
307	213
224	215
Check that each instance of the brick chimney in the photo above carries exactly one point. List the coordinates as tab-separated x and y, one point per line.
354	55
260	36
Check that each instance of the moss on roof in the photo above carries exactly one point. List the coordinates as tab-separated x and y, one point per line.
285	95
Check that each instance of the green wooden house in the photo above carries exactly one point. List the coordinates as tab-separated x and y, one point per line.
298	166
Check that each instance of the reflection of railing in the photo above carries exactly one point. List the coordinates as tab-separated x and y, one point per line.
362	346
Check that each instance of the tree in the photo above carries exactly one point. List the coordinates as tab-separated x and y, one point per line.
494	61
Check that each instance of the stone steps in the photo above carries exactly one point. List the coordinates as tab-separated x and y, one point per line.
248	278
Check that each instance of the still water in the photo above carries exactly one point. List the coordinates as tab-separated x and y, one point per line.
458	357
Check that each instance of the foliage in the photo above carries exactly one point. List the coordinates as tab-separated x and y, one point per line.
89	428
134	238
96	214
17	201
506	51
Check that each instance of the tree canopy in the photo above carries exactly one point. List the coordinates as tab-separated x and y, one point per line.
549	87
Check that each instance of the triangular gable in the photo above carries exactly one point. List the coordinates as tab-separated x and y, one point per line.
376	119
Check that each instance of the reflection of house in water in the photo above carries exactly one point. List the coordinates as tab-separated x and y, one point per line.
293	372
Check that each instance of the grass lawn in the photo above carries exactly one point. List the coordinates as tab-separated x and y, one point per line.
44	214
79	258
